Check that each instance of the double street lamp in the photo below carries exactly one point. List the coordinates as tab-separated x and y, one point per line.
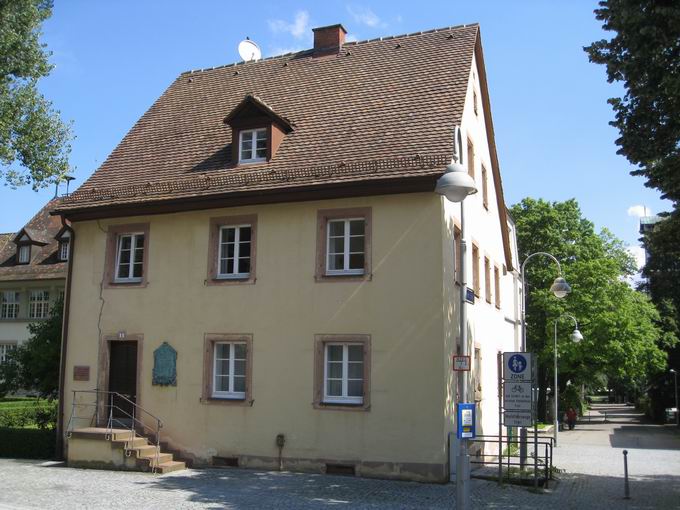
560	288
456	184
576	337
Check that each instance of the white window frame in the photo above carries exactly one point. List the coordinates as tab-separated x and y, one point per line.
6	306
133	248
41	305
64	250
346	252
237	250
5	347
230	394
344	398
24	254
252	133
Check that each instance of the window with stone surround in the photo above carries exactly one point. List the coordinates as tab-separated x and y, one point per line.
342	371
343	244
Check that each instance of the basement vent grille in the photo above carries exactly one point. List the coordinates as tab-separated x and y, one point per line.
341	469
225	461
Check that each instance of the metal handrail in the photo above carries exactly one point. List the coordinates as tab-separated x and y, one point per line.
135	419
505	458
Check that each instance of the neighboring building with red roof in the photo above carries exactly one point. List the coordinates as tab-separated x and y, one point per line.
32	274
262	263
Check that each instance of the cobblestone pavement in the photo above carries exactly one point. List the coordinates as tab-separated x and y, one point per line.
591	454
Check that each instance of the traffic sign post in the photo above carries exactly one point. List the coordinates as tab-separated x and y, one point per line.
517	401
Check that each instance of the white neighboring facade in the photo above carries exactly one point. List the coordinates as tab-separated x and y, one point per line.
494	324
32	275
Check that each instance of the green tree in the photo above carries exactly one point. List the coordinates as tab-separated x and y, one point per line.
620	325
644	54
34	142
34	365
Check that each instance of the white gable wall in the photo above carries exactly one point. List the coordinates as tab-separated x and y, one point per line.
490	329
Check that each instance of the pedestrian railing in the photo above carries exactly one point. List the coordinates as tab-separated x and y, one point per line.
119	412
507	460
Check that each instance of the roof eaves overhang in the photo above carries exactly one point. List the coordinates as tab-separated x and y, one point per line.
385	186
488	121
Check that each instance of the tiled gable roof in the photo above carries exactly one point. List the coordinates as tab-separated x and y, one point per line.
380	109
44	262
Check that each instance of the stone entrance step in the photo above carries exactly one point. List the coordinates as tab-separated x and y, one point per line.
118	449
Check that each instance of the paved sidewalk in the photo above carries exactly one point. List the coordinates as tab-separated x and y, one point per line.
591	454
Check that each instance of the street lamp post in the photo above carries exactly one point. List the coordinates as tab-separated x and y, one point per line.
677	409
456	184
560	288
576	337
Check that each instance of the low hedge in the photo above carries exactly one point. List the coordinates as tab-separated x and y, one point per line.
22	443
42	415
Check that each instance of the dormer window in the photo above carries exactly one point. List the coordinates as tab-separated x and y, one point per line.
64	238
24	255
63	250
257	131
252	146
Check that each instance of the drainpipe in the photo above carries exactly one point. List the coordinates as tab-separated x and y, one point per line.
59	451
280	441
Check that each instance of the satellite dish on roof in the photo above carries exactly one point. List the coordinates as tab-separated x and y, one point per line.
249	50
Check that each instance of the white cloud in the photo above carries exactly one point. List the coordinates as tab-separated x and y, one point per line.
638	254
299	28
282	50
639	211
351	38
365	16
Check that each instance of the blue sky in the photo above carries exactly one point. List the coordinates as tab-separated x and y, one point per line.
113	59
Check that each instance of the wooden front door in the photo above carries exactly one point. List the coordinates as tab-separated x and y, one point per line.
123	377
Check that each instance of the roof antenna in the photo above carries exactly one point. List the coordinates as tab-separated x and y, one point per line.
68	179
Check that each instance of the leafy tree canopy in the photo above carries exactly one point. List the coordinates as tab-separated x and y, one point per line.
34	365
621	327
644	54
34	142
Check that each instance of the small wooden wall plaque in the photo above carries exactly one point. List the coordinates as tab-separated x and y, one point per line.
81	373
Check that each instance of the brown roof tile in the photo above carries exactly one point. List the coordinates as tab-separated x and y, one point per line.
44	262
380	109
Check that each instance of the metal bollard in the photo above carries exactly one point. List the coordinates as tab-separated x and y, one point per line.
625	475
547	468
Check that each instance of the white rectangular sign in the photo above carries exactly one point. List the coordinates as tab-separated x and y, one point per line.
518	419
461	363
517	366
517	396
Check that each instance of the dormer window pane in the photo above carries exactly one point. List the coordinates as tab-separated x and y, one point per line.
253	145
24	254
63	250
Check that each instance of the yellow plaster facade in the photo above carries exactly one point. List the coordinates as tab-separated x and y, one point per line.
403	434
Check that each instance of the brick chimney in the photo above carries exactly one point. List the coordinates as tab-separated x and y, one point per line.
328	40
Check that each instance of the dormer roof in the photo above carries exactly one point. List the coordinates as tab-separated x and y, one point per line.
252	107
29	235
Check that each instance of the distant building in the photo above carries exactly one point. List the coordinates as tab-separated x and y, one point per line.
32	275
647	223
